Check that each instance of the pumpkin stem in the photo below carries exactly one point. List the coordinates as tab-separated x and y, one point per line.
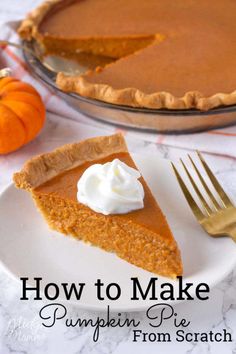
5	72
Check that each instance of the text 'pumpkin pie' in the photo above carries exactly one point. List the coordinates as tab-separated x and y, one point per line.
170	54
141	237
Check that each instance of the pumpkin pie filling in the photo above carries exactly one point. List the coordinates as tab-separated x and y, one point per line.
163	58
174	55
141	237
65	186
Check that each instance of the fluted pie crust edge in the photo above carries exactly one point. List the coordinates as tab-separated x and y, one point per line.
136	98
128	96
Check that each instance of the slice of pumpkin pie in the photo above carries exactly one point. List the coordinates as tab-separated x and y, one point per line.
93	191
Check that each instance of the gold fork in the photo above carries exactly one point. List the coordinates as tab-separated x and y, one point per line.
217	218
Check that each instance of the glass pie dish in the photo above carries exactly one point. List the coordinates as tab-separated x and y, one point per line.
160	120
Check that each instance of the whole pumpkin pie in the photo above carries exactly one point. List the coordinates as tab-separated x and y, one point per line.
141	237
169	54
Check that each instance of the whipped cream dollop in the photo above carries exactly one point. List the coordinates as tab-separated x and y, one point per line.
111	188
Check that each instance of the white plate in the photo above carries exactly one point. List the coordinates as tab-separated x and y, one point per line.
29	249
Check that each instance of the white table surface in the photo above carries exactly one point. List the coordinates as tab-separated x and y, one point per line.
19	329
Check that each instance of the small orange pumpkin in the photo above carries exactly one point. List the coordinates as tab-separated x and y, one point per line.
22	114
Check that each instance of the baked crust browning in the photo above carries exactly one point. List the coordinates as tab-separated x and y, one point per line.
141	237
29	27
199	54
136	98
42	168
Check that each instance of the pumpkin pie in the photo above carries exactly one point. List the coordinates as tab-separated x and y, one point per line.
169	54
141	237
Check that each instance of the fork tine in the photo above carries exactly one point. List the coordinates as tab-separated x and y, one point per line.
211	196
223	196
191	202
199	194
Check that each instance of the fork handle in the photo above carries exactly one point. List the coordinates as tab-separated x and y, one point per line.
232	234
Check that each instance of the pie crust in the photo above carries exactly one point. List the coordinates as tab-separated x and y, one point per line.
136	98
141	237
87	86
42	168
29	27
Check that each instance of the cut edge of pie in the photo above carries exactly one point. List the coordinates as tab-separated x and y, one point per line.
113	47
124	234
117	48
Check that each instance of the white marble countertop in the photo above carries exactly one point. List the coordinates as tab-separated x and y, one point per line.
20	328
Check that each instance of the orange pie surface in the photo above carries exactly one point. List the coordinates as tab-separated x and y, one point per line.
141	237
171	54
